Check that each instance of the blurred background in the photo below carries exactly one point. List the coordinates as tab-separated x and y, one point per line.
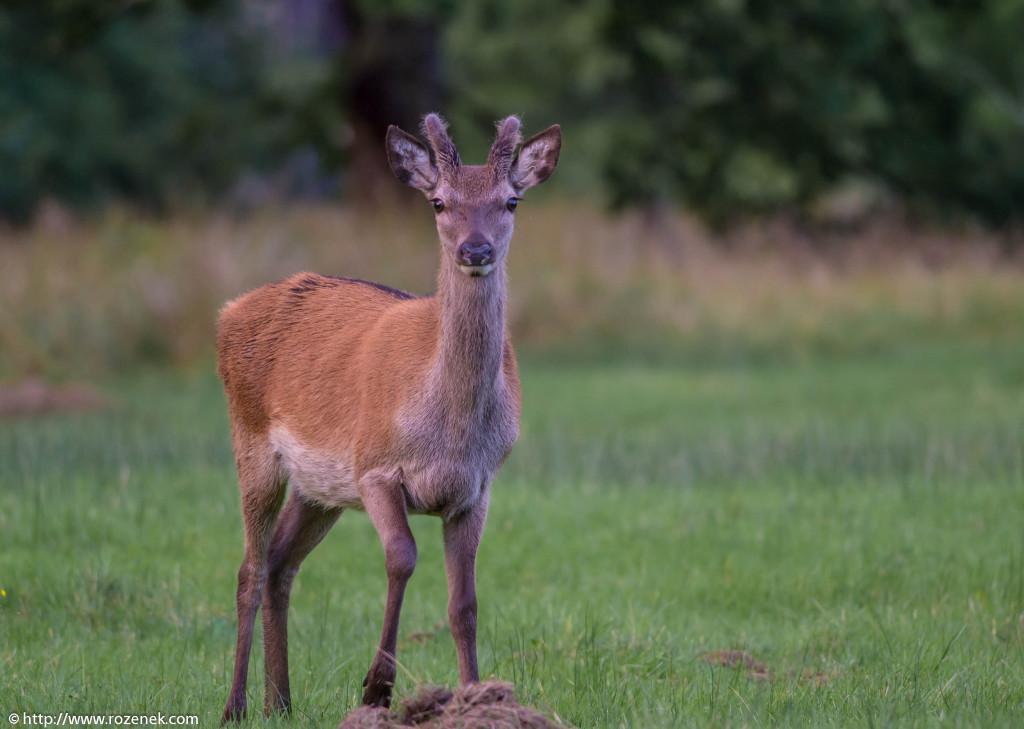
739	180
768	312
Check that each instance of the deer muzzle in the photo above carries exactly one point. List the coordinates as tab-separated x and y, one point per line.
476	257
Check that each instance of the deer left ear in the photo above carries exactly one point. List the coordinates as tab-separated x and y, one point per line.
537	158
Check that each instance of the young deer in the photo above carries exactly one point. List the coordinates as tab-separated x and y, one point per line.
359	396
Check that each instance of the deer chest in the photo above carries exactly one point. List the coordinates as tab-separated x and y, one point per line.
448	461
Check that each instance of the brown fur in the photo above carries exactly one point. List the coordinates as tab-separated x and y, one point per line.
360	396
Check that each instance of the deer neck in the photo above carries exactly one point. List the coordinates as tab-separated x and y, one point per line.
468	366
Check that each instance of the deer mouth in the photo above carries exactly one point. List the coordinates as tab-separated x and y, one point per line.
476	271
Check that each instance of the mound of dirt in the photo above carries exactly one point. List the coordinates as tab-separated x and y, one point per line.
34	396
491	704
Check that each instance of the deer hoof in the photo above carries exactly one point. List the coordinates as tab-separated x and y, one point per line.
377	693
233	713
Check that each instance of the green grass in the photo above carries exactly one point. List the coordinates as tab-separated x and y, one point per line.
853	520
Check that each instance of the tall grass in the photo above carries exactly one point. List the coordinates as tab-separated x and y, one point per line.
106	295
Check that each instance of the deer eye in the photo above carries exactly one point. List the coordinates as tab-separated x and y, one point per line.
438	205
511	204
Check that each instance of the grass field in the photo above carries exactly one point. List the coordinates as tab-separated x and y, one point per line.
855	523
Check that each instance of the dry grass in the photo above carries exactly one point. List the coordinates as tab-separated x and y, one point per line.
91	297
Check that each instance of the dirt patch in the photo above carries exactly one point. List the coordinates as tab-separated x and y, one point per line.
755	670
35	396
491	704
425	637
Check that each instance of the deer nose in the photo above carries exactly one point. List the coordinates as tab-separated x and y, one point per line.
475	252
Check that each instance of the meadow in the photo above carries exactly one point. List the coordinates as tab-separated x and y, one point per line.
815	468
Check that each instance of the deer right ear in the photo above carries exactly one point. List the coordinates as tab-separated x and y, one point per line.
410	160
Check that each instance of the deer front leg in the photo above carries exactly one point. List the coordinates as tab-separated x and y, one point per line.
461	540
384	498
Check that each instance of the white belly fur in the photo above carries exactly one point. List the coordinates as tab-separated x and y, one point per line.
325	479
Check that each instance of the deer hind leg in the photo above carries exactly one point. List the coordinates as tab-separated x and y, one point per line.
384	499
301	526
262	494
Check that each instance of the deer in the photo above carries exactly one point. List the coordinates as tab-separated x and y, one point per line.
346	394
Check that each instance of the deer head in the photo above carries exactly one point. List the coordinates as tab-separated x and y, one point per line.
474	204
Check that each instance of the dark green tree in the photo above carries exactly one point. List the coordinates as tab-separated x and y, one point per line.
740	106
391	71
146	101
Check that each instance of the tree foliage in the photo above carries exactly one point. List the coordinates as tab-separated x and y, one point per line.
146	101
753	105
731	107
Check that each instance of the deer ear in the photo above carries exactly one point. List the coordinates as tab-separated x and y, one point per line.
537	158
410	160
